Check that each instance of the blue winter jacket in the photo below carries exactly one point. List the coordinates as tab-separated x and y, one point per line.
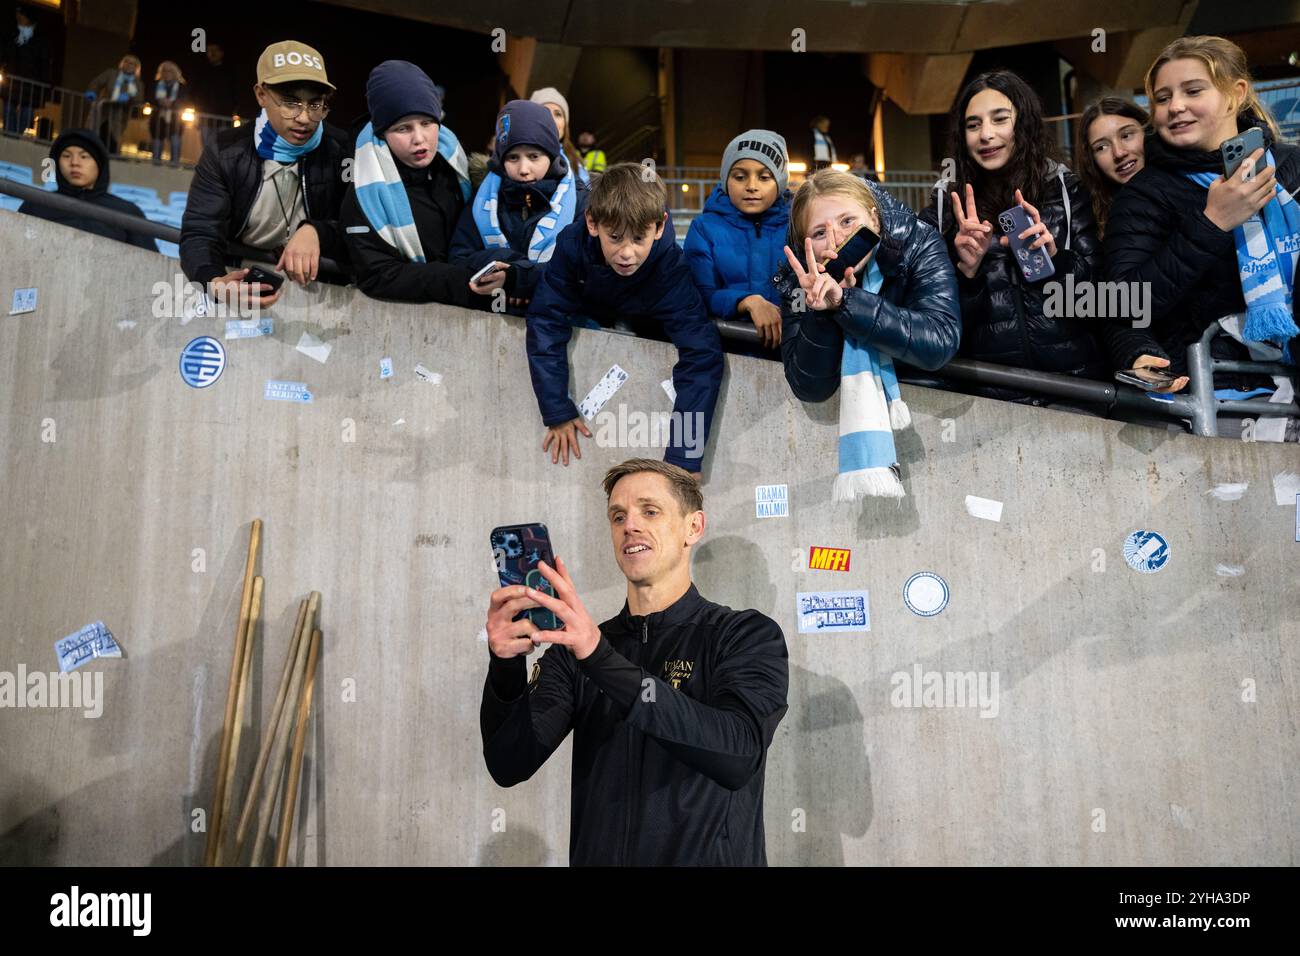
733	255
657	300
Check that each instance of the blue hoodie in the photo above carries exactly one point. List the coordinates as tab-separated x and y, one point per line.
733	255
658	298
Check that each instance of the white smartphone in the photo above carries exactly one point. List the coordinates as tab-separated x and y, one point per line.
486	271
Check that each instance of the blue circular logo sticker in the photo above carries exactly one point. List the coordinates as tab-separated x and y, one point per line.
202	361
1146	551
925	594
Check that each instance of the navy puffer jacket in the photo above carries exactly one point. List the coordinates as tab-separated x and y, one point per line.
914	318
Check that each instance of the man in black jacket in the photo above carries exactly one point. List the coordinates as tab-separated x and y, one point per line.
673	702
275	184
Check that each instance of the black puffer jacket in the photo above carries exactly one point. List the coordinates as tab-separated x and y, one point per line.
1003	318
225	186
96	195
1157	232
913	319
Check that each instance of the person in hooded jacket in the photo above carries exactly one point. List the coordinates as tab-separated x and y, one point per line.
734	246
81	169
410	185
1003	157
528	195
1181	227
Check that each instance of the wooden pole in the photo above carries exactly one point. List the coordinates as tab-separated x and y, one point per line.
250	800
236	664
280	750
288	810
255	612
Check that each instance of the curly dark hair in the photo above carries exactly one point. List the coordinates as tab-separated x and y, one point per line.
1031	157
1102	187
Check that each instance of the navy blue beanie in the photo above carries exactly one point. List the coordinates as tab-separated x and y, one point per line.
397	88
523	122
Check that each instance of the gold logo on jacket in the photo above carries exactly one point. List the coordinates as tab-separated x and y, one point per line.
677	672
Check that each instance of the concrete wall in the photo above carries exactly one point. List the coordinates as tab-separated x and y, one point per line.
1119	691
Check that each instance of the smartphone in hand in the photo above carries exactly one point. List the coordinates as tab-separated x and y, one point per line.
517	549
850	252
1236	150
1034	263
487	270
1146	378
256	275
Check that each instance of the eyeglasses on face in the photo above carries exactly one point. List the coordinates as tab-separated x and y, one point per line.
289	109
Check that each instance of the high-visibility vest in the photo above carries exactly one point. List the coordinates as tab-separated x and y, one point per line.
594	160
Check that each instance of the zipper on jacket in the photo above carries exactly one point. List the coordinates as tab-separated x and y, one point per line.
633	764
758	229
1020	313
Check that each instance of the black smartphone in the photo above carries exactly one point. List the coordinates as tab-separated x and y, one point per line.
850	252
517	549
1034	263
256	275
1146	378
1236	150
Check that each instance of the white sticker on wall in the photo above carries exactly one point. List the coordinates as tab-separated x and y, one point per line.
24	301
771	501
602	392
925	594
985	508
1286	485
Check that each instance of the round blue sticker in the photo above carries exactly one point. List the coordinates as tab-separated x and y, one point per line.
925	593
202	361
1146	551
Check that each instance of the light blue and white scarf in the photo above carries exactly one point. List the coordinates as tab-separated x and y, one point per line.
871	408
271	145
382	194
823	147
1268	246
125	88
541	245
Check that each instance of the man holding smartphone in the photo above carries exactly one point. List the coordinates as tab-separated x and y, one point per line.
673	702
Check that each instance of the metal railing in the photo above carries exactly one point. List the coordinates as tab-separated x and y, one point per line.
1198	405
42	112
145	227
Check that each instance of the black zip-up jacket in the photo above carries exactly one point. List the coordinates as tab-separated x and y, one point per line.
914	318
382	273
672	715
225	186
1157	232
1003	315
